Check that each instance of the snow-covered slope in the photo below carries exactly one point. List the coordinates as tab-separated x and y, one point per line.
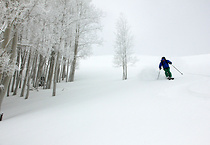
101	109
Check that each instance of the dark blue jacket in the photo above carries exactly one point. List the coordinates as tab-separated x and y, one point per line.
164	63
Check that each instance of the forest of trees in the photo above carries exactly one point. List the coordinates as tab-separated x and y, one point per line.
41	42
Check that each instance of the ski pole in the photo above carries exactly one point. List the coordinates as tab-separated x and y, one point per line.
177	70
158	75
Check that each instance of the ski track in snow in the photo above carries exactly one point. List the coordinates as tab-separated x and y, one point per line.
101	109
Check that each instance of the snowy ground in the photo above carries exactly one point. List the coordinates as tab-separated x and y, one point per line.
101	109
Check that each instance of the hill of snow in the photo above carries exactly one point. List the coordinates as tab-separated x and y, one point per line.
101	109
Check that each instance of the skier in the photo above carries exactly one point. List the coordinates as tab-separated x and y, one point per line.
164	62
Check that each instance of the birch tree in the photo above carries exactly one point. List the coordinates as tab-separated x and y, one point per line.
86	25
12	15
123	46
50	37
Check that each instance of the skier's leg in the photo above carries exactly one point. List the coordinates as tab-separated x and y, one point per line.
166	73
169	72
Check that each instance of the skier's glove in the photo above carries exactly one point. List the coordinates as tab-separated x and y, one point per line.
160	68
170	63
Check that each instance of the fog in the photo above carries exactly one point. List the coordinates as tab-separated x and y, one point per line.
176	27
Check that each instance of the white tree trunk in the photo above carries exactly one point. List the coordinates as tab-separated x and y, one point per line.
6	80
50	75
123	46
26	75
56	74
20	74
28	86
74	62
5	43
67	73
39	72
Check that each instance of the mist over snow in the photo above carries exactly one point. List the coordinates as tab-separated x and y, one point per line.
175	27
101	109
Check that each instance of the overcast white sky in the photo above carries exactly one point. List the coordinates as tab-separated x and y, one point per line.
160	27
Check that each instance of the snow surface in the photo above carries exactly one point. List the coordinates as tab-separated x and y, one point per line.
101	109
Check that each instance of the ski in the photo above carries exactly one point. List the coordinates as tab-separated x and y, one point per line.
170	78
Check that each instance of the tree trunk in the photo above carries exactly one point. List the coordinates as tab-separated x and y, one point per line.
45	75
28	85
1	116
13	81
39	72
8	88
6	80
56	74
26	75
67	73
50	75
125	72
20	74
34	69
74	62
125	69
4	44
3	90
73	68
64	69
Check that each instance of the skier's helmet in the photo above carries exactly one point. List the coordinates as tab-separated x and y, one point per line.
163	58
